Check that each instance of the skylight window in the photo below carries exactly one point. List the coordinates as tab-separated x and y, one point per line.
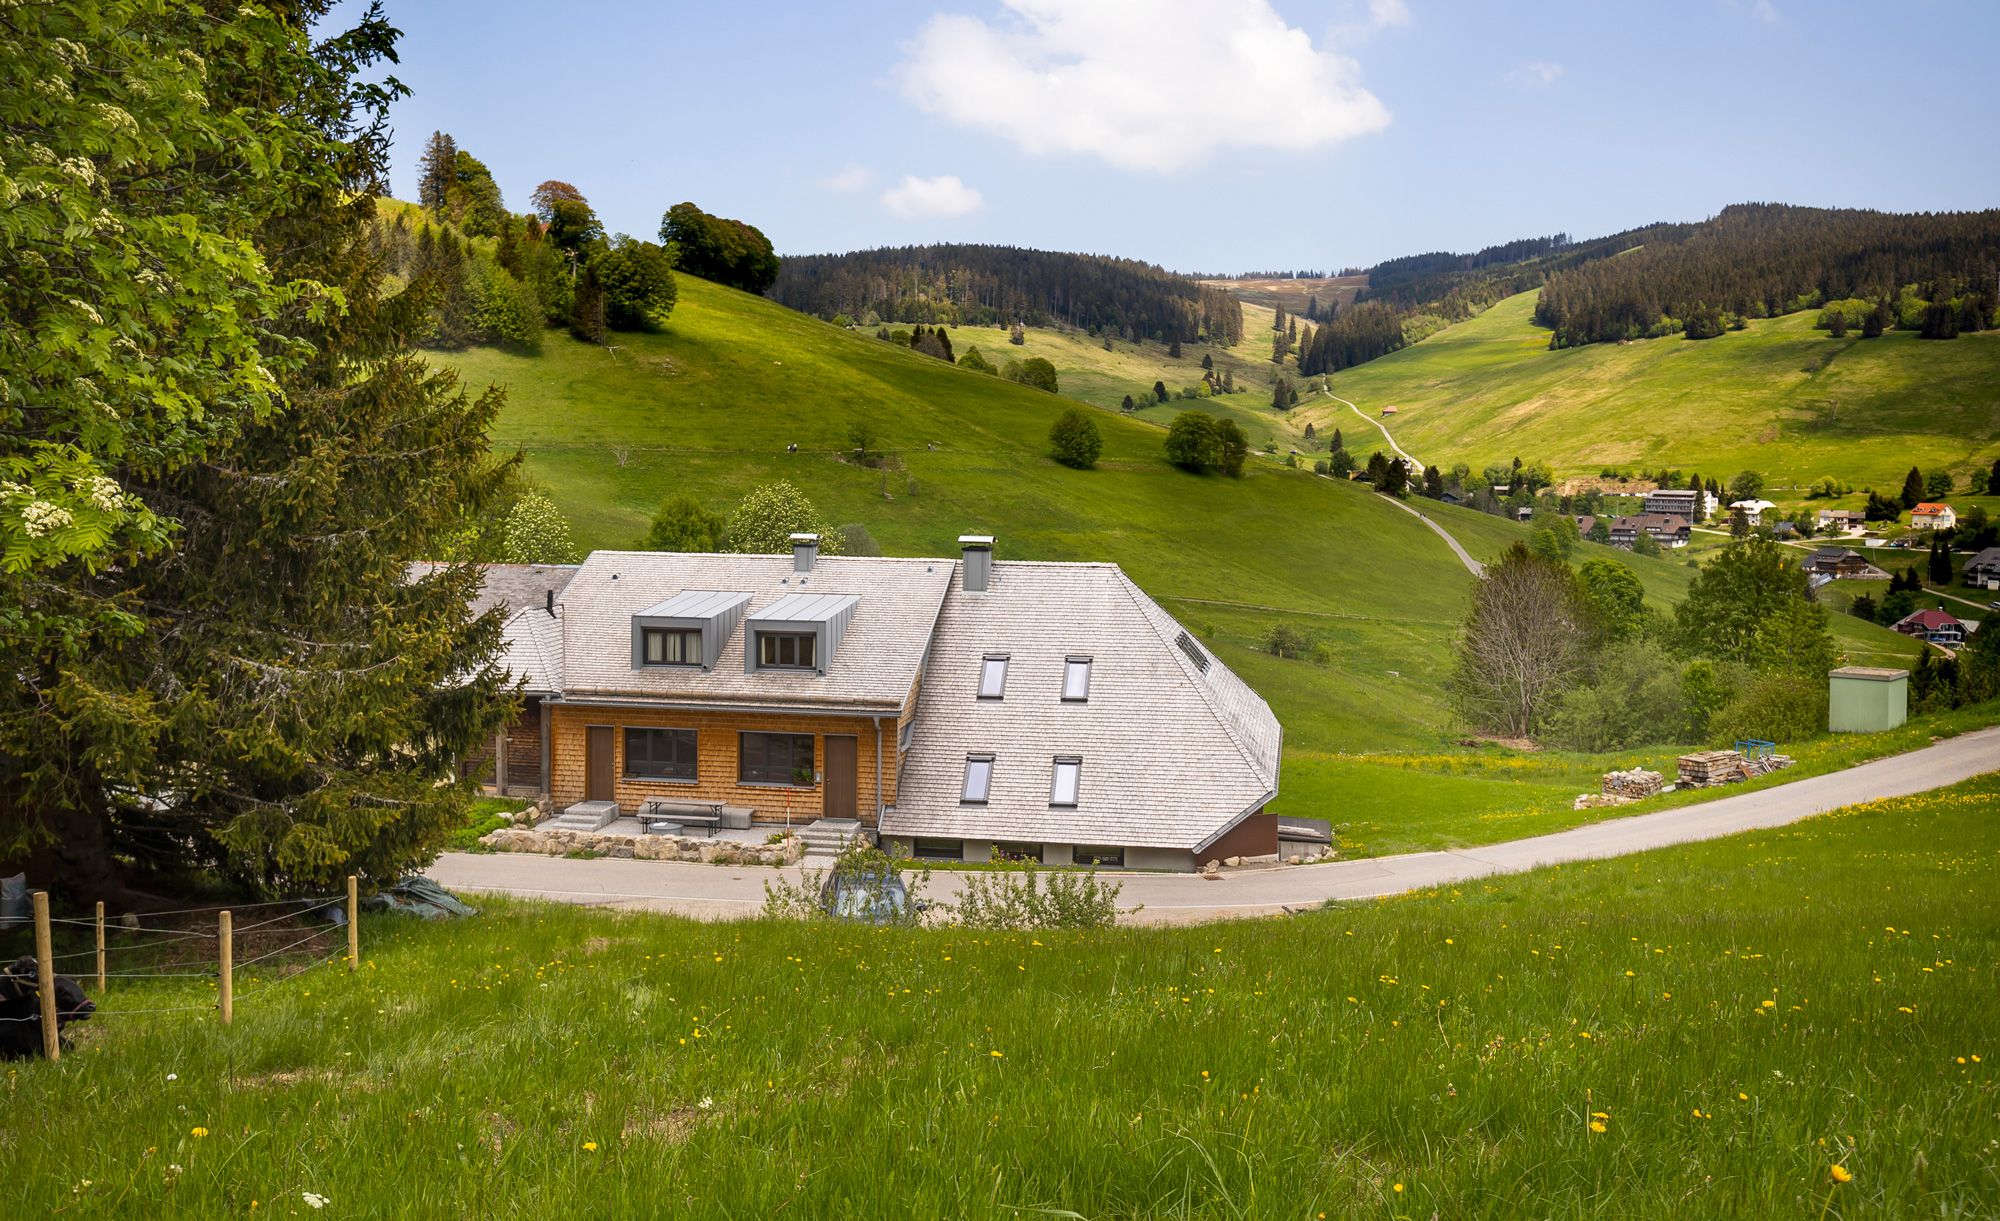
978	779
1193	650
1062	787
1076	679
992	677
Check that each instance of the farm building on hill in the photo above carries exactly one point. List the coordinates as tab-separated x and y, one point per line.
1839	562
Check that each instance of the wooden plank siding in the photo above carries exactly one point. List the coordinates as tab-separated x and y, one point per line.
716	759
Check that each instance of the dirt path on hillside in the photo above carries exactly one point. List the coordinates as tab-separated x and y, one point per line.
1472	566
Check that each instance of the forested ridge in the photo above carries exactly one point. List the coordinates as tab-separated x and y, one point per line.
981	285
1760	260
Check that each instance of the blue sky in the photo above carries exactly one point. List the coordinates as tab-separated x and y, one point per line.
1207	135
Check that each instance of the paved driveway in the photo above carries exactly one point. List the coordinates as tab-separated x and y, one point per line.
726	892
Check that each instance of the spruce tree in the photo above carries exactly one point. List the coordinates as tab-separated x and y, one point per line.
1913	488
1338	443
586	311
1160	391
1280	393
1174	348
437	172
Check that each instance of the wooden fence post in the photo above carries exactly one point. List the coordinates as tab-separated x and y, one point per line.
100	947
45	978
353	923
227	1000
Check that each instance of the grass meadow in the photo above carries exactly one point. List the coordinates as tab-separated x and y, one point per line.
1777	397
1703	1031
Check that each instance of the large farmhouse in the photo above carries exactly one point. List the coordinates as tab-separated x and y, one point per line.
956	707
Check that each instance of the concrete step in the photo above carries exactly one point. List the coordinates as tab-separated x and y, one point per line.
585	816
826	838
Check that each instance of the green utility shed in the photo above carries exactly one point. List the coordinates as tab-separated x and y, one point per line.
1864	699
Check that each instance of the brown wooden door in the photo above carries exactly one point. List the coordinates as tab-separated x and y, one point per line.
842	754
597	763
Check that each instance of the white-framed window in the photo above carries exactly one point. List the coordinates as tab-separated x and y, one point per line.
978	779
1076	680
992	676
1067	775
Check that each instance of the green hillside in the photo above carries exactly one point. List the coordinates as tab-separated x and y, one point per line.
710	405
1777	397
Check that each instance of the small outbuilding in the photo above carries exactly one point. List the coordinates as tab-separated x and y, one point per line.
1867	699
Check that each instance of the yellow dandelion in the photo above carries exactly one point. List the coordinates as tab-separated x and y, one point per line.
997	1055
1398	1189
198	1133
1840	1173
1597	1125
1741	1096
1768	1004
590	1146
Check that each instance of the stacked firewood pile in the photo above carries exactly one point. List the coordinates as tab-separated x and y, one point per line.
1635	783
1707	767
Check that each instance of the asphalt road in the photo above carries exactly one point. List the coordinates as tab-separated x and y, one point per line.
731	892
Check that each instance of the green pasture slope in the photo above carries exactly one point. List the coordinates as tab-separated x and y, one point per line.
1777	397
1737	1017
709	406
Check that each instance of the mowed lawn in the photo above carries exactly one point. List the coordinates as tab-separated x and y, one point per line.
1704	1031
710	406
1777	397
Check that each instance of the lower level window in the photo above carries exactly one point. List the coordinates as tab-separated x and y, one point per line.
1017	852
660	754
1094	855
776	758
938	850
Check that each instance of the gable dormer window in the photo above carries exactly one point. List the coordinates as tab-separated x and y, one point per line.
992	676
1076	680
671	646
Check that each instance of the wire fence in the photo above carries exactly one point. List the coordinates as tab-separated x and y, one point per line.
224	940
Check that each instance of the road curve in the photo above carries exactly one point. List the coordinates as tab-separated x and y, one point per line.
724	892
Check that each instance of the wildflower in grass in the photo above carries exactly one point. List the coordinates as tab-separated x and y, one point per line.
314	1200
1000	1055
1398	1189
590	1146
1597	1125
198	1133
1840	1174
1741	1096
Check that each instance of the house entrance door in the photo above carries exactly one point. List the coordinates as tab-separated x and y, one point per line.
842	753
597	763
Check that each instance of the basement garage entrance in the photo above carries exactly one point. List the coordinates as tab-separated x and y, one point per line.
842	758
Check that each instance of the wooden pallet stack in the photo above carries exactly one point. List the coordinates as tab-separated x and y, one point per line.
1634	784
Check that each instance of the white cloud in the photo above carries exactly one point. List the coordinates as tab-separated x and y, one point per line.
1536	72
848	180
943	195
1153	86
1383	13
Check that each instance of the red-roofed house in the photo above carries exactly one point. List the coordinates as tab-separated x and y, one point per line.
1936	626
1929	516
